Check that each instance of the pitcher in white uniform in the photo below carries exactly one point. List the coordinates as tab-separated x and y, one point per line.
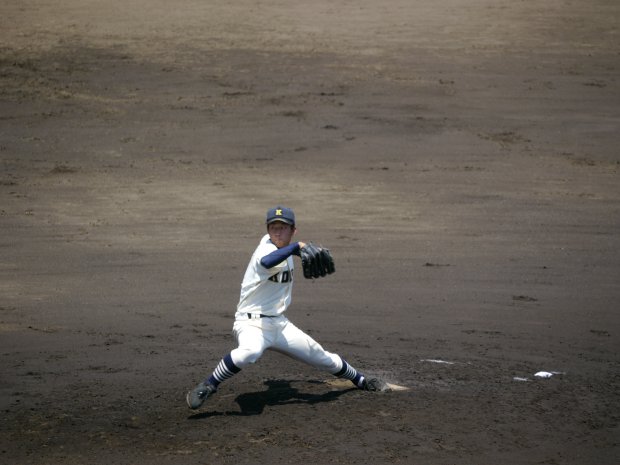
260	323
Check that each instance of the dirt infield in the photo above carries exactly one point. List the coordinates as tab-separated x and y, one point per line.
460	159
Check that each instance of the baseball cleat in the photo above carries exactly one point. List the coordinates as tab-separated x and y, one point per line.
375	385
198	395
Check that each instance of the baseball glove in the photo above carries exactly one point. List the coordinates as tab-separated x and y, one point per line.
316	261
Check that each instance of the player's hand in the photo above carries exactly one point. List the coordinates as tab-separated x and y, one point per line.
301	244
316	261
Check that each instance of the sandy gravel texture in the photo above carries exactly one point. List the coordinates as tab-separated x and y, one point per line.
460	159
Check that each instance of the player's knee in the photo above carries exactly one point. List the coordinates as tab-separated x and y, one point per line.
328	362
245	356
333	362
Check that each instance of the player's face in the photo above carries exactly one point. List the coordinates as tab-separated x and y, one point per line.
280	233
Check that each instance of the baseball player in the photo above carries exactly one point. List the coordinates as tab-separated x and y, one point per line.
260	321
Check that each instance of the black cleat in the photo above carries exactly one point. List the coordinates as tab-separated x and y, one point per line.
375	385
198	395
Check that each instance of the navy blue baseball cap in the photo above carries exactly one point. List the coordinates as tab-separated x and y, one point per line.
283	214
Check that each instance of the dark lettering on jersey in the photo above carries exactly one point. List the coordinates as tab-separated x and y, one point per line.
284	277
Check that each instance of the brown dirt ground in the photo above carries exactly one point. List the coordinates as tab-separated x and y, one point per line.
460	159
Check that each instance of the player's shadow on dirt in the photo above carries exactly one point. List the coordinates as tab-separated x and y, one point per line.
279	392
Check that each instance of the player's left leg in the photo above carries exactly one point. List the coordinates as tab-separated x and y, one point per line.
295	343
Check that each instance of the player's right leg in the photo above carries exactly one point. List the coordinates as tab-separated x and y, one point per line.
225	369
251	345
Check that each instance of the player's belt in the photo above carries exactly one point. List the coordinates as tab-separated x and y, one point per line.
256	316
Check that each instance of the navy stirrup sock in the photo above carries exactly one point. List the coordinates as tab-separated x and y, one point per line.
348	372
226	369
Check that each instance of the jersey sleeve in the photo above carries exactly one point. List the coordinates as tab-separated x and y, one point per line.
279	255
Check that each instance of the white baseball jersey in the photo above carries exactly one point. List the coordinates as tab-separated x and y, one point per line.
265	291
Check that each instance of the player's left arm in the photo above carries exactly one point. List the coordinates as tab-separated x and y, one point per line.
279	255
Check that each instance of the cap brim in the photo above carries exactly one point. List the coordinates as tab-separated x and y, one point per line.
281	220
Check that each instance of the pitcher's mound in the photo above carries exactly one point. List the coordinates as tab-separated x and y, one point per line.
345	384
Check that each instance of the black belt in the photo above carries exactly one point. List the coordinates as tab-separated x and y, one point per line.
254	316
